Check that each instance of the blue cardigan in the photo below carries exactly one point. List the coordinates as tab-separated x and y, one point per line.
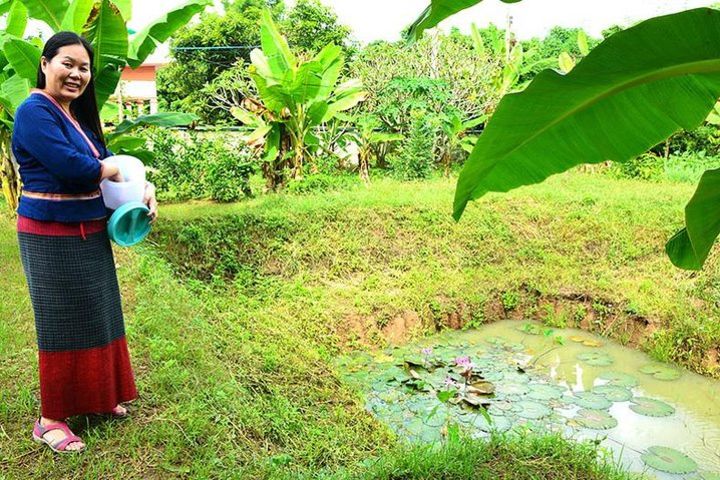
54	158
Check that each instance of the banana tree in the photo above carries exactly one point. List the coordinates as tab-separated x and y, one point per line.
455	130
370	139
295	97
104	24
630	93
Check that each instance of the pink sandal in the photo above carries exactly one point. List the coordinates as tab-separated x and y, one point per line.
60	446
116	412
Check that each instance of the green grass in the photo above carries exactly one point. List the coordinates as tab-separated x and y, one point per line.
235	313
578	249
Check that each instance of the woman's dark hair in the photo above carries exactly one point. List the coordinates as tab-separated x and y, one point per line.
85	106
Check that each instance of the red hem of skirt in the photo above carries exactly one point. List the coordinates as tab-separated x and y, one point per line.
92	380
59	229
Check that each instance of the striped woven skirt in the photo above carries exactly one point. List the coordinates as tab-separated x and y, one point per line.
83	355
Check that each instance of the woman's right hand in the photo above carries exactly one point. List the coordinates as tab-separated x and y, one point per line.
111	171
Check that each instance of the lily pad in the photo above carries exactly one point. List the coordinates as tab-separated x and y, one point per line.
596	359
545	392
513	389
592	343
481	388
577	339
650	407
661	372
709	476
497	341
532	410
669	460
595	420
614	393
620	379
591	401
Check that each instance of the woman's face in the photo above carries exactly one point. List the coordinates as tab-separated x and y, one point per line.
68	73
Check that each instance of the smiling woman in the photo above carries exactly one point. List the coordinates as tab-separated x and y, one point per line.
68	262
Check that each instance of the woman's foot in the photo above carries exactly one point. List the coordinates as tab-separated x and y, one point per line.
120	411
56	435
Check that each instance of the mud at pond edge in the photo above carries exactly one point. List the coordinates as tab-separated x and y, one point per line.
562	310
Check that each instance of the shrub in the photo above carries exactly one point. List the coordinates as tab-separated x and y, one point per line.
190	165
322	182
415	157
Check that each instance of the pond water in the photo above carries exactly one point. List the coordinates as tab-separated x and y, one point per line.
517	376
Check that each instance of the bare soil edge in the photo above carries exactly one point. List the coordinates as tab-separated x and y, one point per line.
604	317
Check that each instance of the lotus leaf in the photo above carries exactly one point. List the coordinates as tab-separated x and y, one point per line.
596	359
481	388
614	393
492	376
661	372
650	407
620	379
532	410
516	377
503	406
591	401
669	460
475	400
595	419
545	392
513	389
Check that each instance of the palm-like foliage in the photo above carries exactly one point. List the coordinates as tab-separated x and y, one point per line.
295	98
103	23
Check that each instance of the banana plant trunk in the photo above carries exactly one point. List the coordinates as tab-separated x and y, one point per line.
9	173
364	164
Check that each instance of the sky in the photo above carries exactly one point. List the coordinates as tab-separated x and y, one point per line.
384	19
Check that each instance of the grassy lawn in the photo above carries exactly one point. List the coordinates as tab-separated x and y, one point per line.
234	314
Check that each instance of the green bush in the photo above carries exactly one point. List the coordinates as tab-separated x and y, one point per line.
415	157
686	167
322	182
188	165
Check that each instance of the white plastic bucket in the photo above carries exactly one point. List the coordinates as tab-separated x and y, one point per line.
132	189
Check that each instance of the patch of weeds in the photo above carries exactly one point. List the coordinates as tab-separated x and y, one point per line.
510	300
553	318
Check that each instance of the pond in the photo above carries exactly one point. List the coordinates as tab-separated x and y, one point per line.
518	376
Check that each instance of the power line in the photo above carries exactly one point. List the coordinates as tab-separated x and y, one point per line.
227	47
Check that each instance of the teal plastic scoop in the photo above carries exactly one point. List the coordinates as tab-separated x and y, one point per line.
129	224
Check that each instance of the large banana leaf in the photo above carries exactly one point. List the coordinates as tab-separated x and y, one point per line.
125	7
5	6
23	56
439	10
76	15
633	91
106	31
171	119
690	247
145	42
15	89
51	12
279	57
332	60
106	83
17	19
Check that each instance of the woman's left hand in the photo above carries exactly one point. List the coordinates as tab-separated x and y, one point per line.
151	201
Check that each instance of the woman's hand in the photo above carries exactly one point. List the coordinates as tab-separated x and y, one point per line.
151	201
111	172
